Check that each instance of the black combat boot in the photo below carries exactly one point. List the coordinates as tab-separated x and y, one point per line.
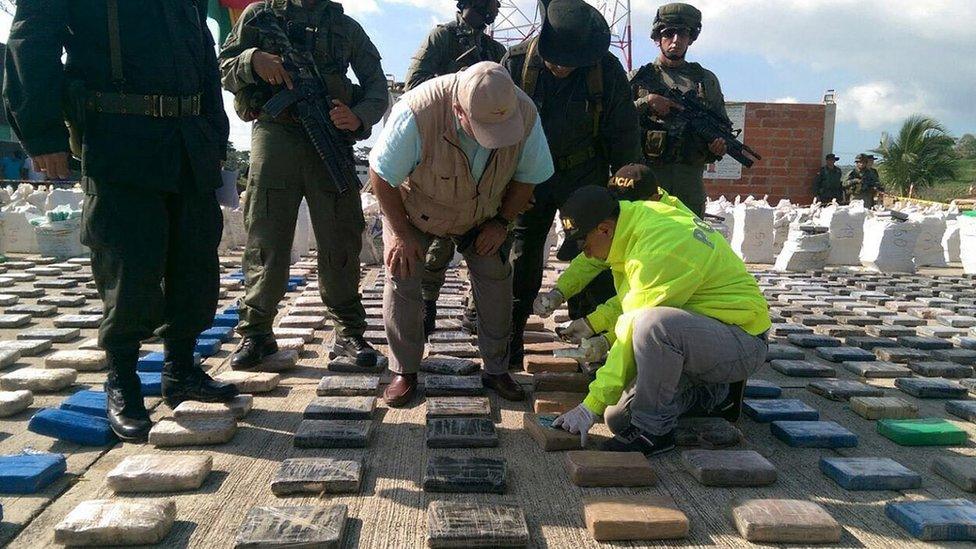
252	350
356	348
183	379
127	413
430	316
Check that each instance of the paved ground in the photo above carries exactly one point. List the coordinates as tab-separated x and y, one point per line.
390	510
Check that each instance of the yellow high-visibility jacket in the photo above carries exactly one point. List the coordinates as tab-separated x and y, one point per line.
662	255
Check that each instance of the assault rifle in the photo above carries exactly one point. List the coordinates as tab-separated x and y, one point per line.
711	126
312	103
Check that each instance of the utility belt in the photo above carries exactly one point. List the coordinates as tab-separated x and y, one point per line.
156	106
575	159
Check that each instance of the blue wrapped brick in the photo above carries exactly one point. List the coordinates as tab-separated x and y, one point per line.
935	520
207	347
93	403
225	321
153	362
223	333
760	388
72	427
765	411
813	434
30	473
151	383
869	473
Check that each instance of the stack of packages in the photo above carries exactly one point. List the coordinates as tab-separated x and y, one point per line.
950	240
889	242
931	231
752	231
784	214
18	232
806	248
846	228
723	209
59	233
967	241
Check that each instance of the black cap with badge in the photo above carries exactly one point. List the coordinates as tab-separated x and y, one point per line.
832	156
586	208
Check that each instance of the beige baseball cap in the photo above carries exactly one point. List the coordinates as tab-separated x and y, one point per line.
487	95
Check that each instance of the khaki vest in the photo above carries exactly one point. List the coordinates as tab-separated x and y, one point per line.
440	195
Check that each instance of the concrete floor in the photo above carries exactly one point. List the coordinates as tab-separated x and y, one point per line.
390	510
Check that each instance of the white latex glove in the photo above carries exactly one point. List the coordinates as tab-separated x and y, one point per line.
592	349
575	331
579	420
546	303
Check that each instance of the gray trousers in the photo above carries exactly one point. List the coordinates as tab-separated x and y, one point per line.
403	310
683	360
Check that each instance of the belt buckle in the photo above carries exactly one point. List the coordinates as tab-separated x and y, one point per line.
160	107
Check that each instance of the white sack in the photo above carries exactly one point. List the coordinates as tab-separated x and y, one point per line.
803	251
889	245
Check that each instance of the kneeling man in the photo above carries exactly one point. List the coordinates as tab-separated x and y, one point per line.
688	319
459	158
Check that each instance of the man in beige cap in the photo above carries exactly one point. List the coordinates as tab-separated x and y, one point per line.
459	158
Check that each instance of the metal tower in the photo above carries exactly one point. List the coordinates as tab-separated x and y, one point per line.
520	19
517	20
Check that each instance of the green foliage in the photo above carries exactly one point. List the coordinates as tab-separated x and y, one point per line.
960	188
921	155
966	146
236	160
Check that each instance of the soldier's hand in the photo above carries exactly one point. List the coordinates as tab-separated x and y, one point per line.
658	103
403	255
490	238
718	147
54	165
343	117
270	68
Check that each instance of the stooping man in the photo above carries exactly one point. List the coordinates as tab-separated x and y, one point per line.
459	158
688	320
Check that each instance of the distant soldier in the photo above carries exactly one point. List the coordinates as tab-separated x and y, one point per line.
829	185
676	155
285	167
143	95
450	48
584	101
863	183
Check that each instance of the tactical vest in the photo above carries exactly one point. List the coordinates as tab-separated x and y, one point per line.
324	40
667	141
441	195
528	80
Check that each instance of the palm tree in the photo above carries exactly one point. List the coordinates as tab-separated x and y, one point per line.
920	156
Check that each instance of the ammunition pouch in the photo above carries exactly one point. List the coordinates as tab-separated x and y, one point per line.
249	100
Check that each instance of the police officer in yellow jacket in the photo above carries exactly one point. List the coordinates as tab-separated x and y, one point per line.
688	319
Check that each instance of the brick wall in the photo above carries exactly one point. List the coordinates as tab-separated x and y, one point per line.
790	139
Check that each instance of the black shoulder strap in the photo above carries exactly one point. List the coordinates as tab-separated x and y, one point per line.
114	43
594	94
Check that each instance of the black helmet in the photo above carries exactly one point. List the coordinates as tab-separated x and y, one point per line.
677	14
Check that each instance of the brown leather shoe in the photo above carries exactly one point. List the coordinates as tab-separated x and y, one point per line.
505	385
400	391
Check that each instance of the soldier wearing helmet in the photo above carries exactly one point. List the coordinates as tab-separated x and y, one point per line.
676	156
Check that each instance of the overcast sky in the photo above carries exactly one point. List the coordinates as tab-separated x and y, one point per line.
887	59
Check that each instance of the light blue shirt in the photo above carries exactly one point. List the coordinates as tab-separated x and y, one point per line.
398	151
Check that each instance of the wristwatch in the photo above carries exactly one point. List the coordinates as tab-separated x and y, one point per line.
504	222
